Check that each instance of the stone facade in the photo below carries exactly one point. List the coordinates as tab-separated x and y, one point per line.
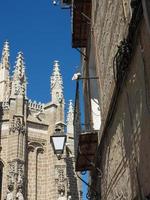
117	52
28	167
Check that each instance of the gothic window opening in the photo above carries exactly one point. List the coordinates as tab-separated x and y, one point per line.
35	176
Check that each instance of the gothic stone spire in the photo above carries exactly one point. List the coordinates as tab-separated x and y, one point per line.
70	117
56	84
19	78
5	56
4	73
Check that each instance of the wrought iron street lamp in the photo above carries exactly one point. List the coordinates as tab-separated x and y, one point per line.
58	140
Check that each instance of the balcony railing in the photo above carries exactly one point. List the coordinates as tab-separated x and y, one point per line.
85	142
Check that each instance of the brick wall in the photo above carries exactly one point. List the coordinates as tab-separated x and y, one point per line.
110	21
123	154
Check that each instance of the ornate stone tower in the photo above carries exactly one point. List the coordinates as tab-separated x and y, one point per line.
28	167
4	73
74	184
57	91
70	116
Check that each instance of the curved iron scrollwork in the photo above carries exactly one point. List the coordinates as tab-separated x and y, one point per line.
123	56
92	193
121	59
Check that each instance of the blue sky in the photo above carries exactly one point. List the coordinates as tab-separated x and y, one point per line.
43	33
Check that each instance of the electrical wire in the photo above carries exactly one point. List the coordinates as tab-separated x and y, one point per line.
91	163
89	186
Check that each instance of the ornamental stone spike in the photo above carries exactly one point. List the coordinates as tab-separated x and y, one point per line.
4	73
19	72
19	77
56	69
5	56
70	117
56	84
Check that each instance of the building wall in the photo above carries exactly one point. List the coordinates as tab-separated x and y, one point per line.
110	21
27	159
4	144
123	153
13	146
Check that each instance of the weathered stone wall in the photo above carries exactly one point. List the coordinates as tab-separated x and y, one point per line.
124	148
37	172
4	145
28	165
74	186
41	177
110	21
123	155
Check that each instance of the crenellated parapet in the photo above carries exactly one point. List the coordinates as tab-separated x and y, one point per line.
34	106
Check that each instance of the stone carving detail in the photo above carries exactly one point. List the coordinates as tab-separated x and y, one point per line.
34	106
11	174
10	195
19	78
16	176
16	173
62	196
60	180
7	91
20	177
56	76
19	195
16	125
20	89
5	105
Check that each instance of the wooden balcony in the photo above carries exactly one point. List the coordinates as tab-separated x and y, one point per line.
81	22
87	147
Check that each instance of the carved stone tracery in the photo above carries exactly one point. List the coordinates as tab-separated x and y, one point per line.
16	125
20	180
16	173
5	105
60	179
11	174
20	89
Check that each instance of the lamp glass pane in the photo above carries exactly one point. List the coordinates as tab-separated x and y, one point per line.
58	143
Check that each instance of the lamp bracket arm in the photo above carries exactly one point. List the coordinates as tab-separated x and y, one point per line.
91	163
89	186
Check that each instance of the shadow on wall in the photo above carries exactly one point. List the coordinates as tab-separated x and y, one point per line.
72	180
124	151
